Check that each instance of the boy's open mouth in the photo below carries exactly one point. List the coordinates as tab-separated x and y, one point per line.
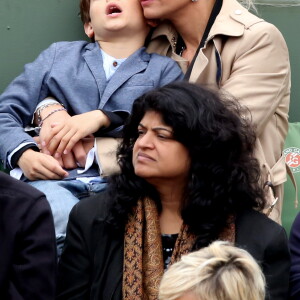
113	9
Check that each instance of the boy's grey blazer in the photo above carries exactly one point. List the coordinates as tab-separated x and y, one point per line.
72	72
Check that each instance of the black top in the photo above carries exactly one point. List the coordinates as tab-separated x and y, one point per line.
168	244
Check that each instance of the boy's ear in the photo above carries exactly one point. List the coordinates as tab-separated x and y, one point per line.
88	29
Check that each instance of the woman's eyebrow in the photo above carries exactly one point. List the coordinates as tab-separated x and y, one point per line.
157	128
162	128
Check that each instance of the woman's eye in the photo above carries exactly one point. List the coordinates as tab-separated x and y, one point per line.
163	137
140	132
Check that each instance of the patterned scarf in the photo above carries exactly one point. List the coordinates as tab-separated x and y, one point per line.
143	259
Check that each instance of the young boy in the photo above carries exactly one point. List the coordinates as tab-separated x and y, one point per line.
95	82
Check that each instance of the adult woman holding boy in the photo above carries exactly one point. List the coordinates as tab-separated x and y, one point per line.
220	44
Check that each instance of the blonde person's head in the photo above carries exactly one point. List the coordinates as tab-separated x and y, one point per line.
217	272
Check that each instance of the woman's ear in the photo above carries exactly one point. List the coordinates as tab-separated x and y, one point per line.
88	29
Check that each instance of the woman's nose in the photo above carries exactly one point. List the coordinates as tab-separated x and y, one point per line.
146	140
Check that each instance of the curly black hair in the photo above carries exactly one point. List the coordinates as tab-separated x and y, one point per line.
224	175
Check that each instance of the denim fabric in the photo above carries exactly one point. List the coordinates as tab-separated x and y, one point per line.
62	195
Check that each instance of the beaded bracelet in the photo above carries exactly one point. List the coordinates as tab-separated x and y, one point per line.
39	118
50	114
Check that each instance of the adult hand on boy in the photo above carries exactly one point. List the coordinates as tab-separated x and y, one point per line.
40	166
76	157
63	137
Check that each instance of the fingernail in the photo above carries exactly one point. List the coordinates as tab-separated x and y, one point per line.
57	155
43	143
65	152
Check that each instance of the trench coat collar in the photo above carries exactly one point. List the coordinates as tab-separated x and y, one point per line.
232	20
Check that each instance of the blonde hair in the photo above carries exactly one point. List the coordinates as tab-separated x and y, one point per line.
217	272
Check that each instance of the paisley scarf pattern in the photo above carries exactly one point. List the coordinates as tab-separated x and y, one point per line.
143	265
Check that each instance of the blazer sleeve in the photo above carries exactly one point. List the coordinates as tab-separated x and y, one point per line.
75	266
295	255
276	266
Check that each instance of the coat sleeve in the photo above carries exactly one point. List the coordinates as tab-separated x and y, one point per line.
276	265
75	266
34	270
260	74
295	255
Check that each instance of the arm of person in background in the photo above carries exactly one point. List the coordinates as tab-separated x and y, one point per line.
28	263
295	255
276	265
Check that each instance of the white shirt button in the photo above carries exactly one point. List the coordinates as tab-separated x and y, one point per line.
238	12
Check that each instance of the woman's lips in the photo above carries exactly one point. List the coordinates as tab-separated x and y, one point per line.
144	157
146	2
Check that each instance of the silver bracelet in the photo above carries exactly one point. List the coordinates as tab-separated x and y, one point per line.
50	114
39	118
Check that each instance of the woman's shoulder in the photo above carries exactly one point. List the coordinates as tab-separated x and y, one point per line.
257	219
254	225
234	19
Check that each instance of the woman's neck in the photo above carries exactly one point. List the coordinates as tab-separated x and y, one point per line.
190	23
171	201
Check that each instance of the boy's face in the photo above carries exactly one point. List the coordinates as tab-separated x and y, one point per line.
115	18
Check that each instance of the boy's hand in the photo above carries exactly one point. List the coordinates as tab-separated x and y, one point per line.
37	166
63	137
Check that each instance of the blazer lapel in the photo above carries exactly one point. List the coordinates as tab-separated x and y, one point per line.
94	61
135	63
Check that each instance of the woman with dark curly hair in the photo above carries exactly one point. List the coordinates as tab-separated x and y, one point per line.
188	177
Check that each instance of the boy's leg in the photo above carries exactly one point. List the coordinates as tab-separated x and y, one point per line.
62	196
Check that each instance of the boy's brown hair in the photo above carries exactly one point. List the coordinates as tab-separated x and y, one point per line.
85	11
